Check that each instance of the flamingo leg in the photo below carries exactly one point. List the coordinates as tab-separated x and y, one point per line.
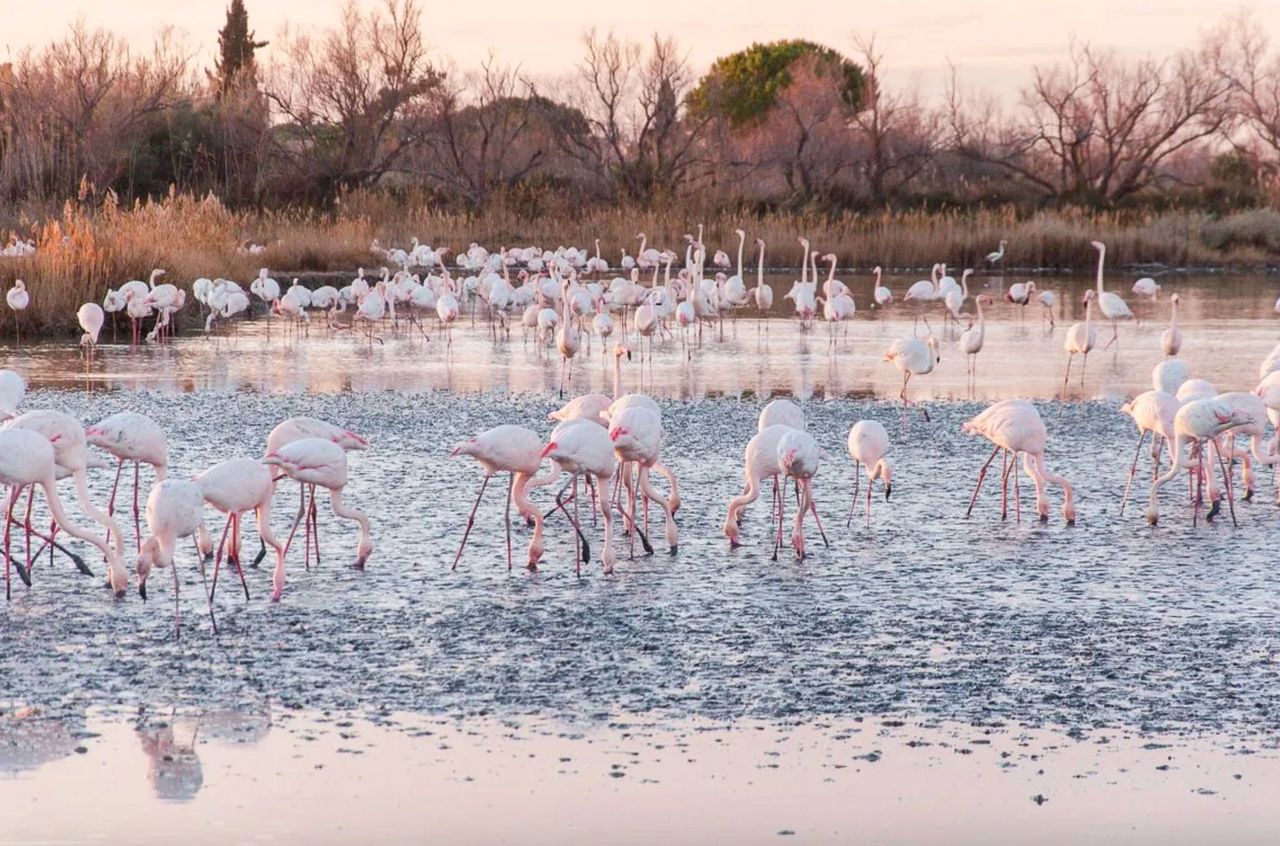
217	561
1132	470
8	559
511	481
470	522
982	474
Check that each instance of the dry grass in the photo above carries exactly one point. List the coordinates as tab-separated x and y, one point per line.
83	250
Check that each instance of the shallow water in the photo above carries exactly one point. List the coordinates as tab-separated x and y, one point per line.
1105	629
1226	319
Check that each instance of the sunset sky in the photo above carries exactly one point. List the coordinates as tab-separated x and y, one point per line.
994	41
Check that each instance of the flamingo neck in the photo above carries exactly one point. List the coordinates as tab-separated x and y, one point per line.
742	242
1102	256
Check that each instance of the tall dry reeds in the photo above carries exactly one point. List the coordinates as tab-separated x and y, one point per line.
84	250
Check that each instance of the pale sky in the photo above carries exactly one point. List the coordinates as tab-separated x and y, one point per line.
994	42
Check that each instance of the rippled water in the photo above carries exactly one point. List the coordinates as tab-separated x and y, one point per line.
1107	628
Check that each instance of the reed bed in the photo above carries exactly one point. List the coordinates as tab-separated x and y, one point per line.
83	249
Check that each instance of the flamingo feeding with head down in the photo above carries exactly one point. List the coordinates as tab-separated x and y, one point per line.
506	449
869	447
1014	426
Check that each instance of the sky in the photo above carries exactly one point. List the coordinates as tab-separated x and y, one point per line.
994	42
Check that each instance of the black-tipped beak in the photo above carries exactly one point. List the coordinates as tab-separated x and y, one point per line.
628	355
142	590
888	490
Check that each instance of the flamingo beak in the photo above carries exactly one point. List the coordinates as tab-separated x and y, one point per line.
142	590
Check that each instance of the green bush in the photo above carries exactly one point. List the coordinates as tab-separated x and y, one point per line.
744	85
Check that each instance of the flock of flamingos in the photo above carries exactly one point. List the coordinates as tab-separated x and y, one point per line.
607	448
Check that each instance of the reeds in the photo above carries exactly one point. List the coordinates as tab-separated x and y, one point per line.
83	249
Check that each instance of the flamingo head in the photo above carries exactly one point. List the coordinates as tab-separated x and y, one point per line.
551	447
363	551
1088	296
618	432
1099	246
760	243
149	555
463	448
985	299
620	350
886	474
1174	299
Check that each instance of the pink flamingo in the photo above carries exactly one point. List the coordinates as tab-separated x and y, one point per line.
1015	426
27	458
580	447
296	429
760	462
1152	412
175	509
868	447
797	455
593	406
234	487
636	433
912	357
130	436
1198	422
71	454
517	451
319	461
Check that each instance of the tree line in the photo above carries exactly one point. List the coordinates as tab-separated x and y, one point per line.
785	125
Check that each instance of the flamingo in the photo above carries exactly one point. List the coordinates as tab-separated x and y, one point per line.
320	461
90	316
1146	287
130	436
762	293
506	449
1112	306
234	487
1081	338
971	340
1169	376
71	454
1047	302
567	338
1171	338
296	429
13	388
579	447
175	509
868	447
1152	412
1019	294
923	292
636	432
27	457
912	357
1200	422
1015	426
18	300
759	462
780	412
883	296
798	457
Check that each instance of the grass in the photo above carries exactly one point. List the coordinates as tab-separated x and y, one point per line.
85	249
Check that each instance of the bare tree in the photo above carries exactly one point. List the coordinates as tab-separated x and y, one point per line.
492	131
1254	77
634	101
899	134
1096	128
355	99
74	111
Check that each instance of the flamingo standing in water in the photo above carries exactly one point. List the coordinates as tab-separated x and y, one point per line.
18	300
175	509
762	293
869	447
1112	306
759	462
798	456
90	316
636	432
134	437
27	458
1014	426
71	454
296	429
320	462
1199	422
1152	412
517	451
913	356
578	447
235	487
972	339
1081	338
1171	338
883	296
